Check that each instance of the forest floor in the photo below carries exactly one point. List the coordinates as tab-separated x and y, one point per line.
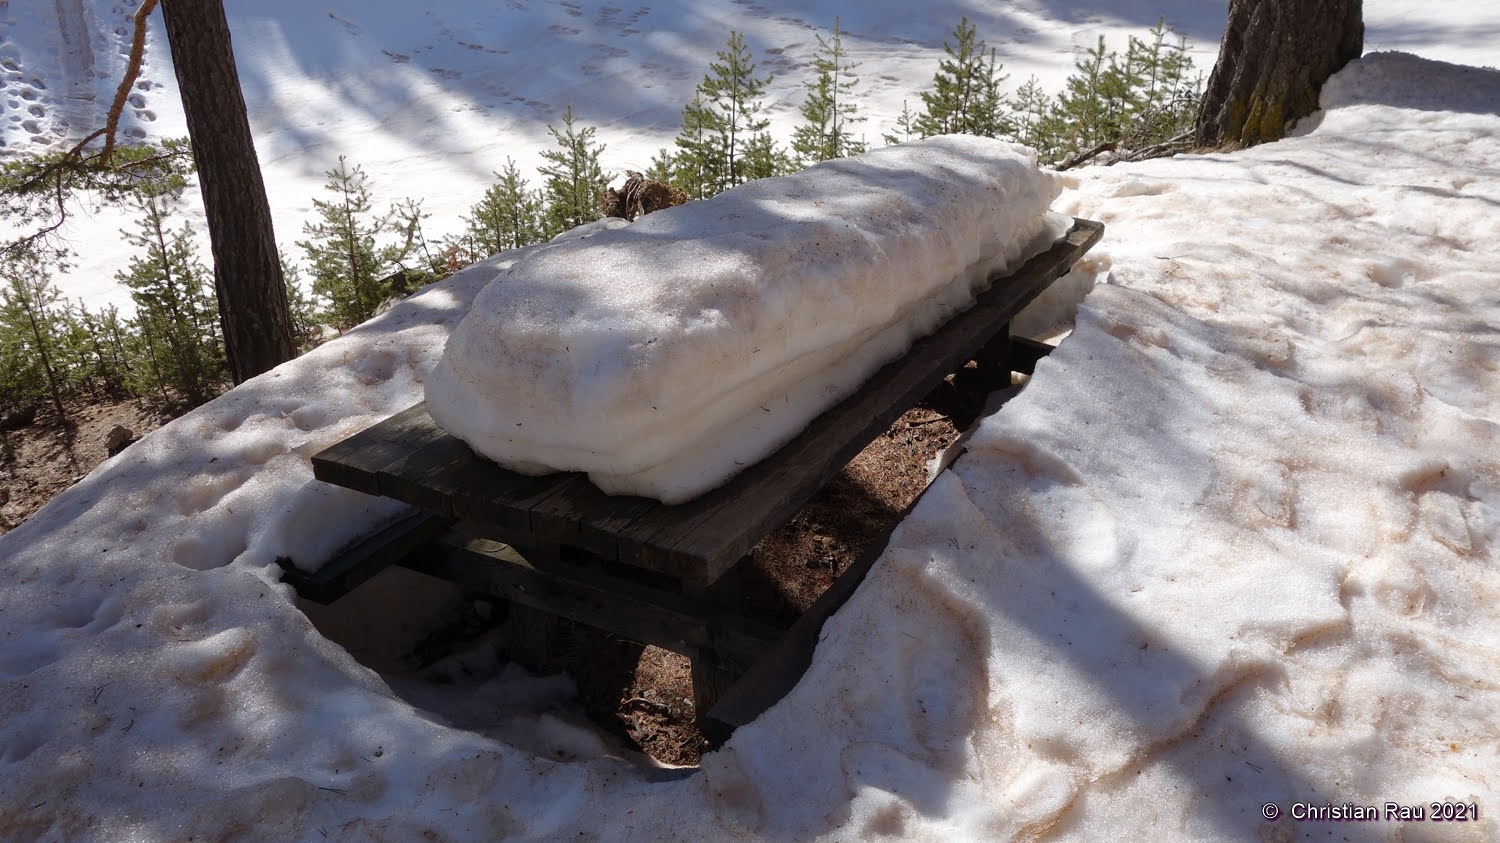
40	460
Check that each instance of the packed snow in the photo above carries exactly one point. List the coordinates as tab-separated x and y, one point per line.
664	356
1235	544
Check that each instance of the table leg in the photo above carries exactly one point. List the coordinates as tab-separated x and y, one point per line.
993	358
530	633
712	678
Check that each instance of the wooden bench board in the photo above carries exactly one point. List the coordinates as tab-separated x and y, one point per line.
408	457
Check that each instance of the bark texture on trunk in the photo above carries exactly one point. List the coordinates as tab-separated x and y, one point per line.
247	268
1275	56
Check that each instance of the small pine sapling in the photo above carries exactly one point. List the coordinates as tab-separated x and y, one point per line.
906	127
508	216
574	179
829	109
175	303
341	249
965	97
31	329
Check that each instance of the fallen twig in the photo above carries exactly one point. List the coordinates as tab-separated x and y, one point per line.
659	708
919	422
1107	146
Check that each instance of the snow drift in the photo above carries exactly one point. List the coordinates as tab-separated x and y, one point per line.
662	357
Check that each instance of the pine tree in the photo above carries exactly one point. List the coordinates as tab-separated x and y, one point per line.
1162	101
509	215
412	254
829	108
175	305
574	179
663	166
965	96
724	141
30	330
346	264
110	364
1096	101
77	351
1034	123
906	127
306	330
697	167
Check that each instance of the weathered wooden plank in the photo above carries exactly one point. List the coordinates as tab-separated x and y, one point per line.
664	620
579	515
530	634
502	500
365	558
993	358
355	461
417	477
424	465
708	535
1025	353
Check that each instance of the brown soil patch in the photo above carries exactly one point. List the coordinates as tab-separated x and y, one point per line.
42	459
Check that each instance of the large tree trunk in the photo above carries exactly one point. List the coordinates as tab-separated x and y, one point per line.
1274	59
247	267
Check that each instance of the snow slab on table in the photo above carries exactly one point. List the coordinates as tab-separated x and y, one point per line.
1237	543
664	356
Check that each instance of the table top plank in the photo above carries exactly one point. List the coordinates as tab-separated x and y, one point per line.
579	515
356	461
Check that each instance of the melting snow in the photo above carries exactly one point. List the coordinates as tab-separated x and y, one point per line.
662	357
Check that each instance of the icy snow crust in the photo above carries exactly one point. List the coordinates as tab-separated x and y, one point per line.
1238	542
664	356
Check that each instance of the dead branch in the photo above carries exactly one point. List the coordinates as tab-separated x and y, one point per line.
1080	158
132	72
1180	143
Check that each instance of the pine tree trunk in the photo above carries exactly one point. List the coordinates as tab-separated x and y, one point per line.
1275	56
247	269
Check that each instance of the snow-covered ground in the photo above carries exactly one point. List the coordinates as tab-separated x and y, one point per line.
1236	544
432	98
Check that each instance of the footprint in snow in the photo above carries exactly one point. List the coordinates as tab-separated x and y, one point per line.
349	26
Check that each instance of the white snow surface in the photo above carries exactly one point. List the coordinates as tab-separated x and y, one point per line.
1237	542
431	99
664	356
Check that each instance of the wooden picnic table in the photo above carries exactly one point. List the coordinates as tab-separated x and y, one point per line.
555	546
